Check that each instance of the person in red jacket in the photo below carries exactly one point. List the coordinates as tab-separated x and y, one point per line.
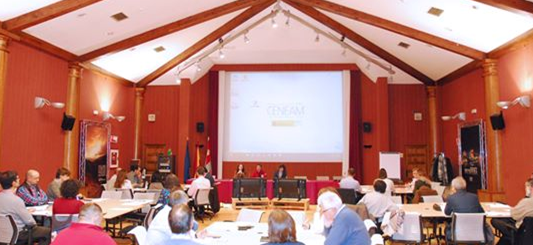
68	203
259	173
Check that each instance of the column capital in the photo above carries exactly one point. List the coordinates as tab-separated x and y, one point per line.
490	67
431	91
139	92
4	41
75	69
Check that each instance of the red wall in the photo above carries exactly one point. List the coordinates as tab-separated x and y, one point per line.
370	155
311	170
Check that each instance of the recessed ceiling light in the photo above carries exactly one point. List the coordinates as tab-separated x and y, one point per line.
119	16
404	45
81	15
435	11
159	49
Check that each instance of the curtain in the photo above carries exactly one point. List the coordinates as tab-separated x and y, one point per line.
213	120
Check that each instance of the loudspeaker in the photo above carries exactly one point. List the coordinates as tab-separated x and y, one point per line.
200	127
68	122
367	127
497	121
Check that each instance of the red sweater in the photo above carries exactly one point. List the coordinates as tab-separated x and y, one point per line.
83	234
260	174
66	206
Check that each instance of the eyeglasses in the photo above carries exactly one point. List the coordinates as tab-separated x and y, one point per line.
325	210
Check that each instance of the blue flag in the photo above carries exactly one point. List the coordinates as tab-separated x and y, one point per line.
187	164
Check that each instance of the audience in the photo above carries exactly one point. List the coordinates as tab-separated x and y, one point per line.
62	174
416	177
508	226
159	230
157	180
122	181
259	173
87	230
240	172
377	202
181	220
12	205
209	176
349	181
68	203
421	188
199	183
30	192
134	176
342	225
281	228
171	184
281	173
390	185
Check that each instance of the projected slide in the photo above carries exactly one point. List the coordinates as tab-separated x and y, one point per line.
284	116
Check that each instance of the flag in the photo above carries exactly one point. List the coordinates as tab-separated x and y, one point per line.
187	164
197	156
208	157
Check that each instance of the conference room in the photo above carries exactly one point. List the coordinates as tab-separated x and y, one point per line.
266	121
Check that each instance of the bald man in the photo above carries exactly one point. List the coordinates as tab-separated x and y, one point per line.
30	192
180	220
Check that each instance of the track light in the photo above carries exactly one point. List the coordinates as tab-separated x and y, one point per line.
317	38
461	116
198	67
368	65
274	24
523	100
344	52
41	102
287	22
246	39
221	54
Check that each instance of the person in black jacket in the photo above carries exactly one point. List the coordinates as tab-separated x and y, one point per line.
442	170
281	173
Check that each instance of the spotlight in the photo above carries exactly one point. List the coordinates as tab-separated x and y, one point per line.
246	39
198	67
317	38
344	52
221	54
274	24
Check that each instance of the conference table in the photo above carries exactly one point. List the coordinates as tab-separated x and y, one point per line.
225	189
426	210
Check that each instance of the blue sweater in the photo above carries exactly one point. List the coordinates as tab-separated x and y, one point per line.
347	229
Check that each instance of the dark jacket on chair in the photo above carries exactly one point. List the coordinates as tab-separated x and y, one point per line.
463	202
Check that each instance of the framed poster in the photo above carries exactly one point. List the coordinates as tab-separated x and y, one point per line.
94	155
472	155
113	163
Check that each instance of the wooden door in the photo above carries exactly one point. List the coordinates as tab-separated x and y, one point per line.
416	156
151	151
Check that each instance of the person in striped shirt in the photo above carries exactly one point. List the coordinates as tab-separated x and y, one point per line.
30	192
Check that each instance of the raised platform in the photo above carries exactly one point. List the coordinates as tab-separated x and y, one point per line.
250	203
290	203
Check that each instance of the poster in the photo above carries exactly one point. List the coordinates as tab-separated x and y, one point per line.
94	155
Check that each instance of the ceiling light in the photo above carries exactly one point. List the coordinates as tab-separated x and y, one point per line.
287	22
435	11
119	16
198	67
368	65
274	24
523	100
41	102
246	39
317	38
404	45
461	116
221	54
159	49
344	52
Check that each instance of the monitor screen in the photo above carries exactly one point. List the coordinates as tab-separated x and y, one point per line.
249	188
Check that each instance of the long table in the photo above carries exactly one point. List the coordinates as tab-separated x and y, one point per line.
426	210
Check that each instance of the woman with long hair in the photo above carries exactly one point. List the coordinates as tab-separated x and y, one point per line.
122	180
281	228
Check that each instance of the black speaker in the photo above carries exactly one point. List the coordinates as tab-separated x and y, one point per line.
200	127
497	121
68	122
367	127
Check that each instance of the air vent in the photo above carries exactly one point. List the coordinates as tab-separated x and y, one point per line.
159	49
435	11
404	45
119	16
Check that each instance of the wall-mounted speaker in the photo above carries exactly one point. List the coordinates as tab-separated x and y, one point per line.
497	121
200	127
367	127
68	122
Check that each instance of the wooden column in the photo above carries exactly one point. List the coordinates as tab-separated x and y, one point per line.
434	141
493	138
183	127
70	156
3	78
139	98
382	120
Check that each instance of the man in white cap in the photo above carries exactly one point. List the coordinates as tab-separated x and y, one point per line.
342	225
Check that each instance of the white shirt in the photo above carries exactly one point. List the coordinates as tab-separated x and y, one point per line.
126	185
349	182
199	183
390	186
378	204
159	230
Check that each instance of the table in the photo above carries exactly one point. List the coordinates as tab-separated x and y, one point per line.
229	234
398	190
492	210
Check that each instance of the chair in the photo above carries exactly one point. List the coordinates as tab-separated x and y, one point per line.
139	233
249	215
115	195
397	199
201	199
156	186
524	235
412	230
62	221
298	217
301	177
8	230
322	177
348	196
337	178
126	193
432	199
438	187
150	215
468	228
157	193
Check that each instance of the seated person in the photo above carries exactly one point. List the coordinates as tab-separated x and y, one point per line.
390	184
111	181
157	180
422	188
171	184
508	226
281	173
52	192
135	176
240	172
416	176
259	173
181	220
199	183
30	192
10	204
67	203
122	180
349	181
87	230
159	230
281	228
342	225
377	202
463	202
209	176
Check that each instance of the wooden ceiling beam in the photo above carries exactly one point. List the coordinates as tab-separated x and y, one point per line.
521	7
97	69
45	13
459	72
361	41
394	27
168	29
517	43
46	47
204	42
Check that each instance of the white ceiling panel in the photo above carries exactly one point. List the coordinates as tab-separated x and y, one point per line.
92	27
12	8
466	22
